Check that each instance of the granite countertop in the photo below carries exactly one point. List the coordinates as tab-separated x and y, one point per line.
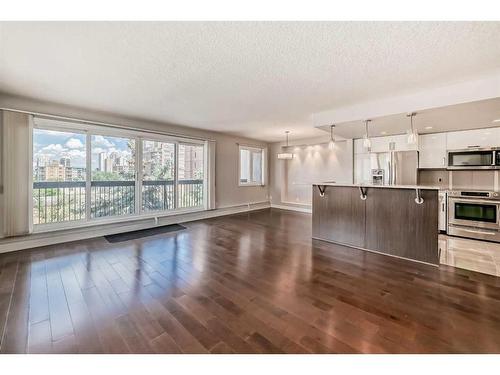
378	186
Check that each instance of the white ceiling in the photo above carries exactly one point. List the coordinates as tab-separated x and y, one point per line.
248	78
472	115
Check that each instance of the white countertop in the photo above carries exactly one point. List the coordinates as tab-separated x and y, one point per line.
378	186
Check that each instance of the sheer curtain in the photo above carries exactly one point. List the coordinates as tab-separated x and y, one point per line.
16	176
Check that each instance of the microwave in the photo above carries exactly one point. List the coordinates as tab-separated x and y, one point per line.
477	158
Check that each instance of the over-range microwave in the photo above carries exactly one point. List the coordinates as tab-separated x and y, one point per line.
474	158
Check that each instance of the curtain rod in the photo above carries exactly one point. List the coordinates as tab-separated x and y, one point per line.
90	122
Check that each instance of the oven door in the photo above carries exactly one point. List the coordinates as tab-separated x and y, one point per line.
474	213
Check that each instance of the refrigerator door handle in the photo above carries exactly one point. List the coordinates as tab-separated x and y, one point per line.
389	168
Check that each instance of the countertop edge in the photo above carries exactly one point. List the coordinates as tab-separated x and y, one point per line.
422	187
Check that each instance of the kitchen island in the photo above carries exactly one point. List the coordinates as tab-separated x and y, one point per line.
396	220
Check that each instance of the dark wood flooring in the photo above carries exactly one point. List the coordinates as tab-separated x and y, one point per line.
249	283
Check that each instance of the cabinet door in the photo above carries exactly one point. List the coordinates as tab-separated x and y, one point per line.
380	144
401	143
432	150
362	168
358	147
473	138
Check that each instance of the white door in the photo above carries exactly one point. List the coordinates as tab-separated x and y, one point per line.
432	150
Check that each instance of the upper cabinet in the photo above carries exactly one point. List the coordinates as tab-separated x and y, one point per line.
432	150
433	147
473	138
384	144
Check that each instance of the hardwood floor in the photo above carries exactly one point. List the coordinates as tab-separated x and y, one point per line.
249	283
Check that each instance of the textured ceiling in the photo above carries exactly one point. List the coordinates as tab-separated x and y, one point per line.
246	78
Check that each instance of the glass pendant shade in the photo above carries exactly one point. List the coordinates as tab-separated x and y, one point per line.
412	134
286	155
411	137
331	144
367	143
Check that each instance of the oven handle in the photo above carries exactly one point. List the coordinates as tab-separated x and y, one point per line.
483	201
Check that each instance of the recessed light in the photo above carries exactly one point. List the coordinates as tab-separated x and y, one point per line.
497	120
428	127
383	133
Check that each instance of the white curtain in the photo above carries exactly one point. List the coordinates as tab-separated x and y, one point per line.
211	146
16	167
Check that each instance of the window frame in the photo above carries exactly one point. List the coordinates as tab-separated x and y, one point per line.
252	149
91	129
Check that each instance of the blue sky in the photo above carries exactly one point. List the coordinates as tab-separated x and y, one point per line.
54	145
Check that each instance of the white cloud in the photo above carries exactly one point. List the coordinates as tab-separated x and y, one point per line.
56	148
74	143
99	140
75	153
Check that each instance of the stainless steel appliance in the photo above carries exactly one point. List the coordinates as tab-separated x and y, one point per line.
474	158
474	214
394	168
378	176
443	211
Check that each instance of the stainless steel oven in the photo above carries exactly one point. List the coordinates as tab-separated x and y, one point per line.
474	214
474	158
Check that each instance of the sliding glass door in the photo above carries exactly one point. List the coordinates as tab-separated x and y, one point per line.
190	182
59	174
89	174
112	187
158	176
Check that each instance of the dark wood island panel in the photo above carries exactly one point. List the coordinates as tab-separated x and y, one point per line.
389	221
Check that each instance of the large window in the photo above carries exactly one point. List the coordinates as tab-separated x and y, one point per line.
251	166
158	175
113	176
86	174
190	166
59	174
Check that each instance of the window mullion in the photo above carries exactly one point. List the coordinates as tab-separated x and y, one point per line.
138	175
176	175
88	175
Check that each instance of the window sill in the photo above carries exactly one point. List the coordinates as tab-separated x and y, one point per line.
256	184
47	228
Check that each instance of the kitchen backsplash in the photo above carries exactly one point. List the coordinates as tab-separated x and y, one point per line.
474	180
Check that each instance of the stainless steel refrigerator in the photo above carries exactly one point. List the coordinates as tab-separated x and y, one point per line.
387	168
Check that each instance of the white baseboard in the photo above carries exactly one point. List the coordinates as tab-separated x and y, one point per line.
68	235
307	210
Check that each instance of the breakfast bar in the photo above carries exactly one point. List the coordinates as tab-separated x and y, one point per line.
395	220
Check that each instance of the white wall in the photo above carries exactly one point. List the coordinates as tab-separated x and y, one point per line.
290	180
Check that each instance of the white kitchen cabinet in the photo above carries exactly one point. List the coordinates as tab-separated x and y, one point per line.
432	150
473	138
362	168
383	144
358	147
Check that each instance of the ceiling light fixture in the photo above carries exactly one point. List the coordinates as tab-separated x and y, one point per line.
285	155
412	133
497	120
367	143
331	144
428	127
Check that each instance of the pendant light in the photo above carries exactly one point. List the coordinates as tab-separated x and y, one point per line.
285	155
367	143
331	144
412	133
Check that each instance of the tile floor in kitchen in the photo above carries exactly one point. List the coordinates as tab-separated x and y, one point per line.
479	256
